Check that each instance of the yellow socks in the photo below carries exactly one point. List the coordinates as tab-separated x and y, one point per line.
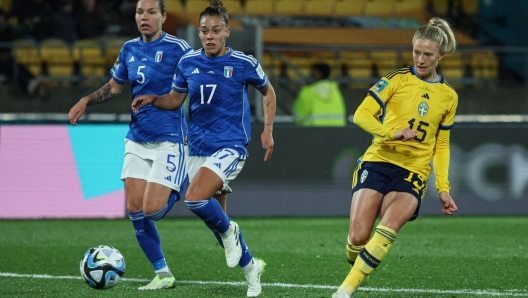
352	251
369	258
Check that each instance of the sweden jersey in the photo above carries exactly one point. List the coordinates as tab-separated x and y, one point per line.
217	88
406	100
150	67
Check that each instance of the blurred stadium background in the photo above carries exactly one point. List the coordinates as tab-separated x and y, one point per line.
49	169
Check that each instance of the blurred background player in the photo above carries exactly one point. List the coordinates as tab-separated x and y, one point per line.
215	77
321	102
409	112
154	169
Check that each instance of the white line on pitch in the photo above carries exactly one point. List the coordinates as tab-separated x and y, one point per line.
509	293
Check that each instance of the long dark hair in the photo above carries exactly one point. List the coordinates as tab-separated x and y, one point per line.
216	9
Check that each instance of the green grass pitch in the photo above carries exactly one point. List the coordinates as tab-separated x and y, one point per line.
431	257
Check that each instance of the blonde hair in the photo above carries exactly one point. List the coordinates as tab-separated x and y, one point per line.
439	31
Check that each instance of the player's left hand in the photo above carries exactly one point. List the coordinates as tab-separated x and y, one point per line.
447	202
267	143
140	101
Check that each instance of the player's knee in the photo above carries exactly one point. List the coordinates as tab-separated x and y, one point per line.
359	239
193	195
134	204
152	206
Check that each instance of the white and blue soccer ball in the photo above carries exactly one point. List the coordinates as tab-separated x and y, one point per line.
102	267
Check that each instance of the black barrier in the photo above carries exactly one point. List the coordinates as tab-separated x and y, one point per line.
310	172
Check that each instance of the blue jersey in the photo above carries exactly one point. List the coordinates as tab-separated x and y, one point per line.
150	67
218	99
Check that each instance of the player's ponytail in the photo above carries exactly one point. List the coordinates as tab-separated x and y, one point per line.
439	31
216	9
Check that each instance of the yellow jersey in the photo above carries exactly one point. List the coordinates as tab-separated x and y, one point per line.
402	99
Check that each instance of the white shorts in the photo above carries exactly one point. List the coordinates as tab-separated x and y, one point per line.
160	162
226	163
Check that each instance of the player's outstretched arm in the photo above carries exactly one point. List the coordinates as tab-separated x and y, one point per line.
172	101
449	206
104	94
270	105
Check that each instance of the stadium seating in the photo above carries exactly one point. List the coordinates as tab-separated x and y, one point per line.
484	65
348	7
452	68
26	53
385	61
289	7
92	64
356	66
233	6
56	54
319	7
173	6
378	7
401	6
5	5
258	7
195	7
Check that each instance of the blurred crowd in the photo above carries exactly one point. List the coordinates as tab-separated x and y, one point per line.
68	20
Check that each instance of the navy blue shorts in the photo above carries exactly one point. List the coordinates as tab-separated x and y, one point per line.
385	177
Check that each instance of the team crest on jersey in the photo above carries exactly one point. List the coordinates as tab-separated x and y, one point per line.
364	176
159	56
423	108
380	85
228	71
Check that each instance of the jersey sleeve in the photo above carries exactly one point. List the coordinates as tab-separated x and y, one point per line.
373	106
255	75
367	117
442	149
179	81
119	71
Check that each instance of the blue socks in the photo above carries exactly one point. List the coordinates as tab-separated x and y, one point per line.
211	213
148	239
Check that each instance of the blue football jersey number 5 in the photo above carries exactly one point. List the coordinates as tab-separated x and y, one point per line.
141	74
210	95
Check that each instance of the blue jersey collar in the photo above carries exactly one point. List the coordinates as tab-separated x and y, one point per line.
227	55
155	41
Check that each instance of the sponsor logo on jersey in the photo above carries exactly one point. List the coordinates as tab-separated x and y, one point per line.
423	108
131	59
364	176
380	85
425	96
143	59
159	56
211	72
228	71
196	71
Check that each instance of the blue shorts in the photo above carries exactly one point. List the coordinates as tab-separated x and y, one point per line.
385	177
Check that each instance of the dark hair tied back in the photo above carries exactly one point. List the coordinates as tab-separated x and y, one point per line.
216	9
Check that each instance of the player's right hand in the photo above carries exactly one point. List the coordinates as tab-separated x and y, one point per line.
140	101
405	134
76	112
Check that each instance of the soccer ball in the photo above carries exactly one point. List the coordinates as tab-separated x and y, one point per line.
102	267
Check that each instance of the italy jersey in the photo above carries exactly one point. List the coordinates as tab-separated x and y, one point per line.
150	67
406	100
217	88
